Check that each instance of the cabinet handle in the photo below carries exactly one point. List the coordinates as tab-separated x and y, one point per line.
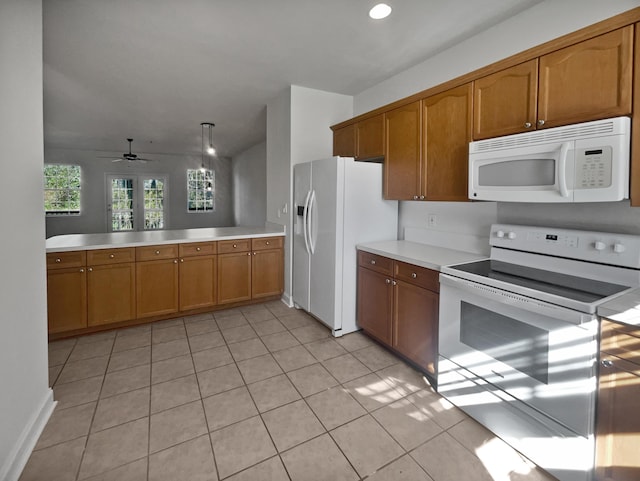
527	125
373	262
414	275
388	281
422	197
415	197
181	260
540	122
267	242
606	363
111	256
197	249
249	253
175	261
157	252
394	283
234	246
58	260
82	270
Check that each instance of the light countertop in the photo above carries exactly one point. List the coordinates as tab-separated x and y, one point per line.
424	255
72	242
624	309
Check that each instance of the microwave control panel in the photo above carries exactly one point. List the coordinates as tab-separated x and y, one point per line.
593	167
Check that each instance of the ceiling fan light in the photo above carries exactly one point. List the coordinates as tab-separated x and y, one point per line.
380	11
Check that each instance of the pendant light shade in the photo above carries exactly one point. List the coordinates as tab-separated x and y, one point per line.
207	142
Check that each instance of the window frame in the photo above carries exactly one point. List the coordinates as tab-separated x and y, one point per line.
68	189
202	188
138	205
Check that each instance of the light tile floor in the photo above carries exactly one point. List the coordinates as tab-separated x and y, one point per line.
254	393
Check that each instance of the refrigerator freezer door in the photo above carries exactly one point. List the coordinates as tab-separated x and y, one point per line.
326	221
301	252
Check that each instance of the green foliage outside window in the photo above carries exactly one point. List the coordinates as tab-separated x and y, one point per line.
61	189
200	190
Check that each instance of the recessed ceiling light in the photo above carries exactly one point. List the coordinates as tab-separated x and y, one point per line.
382	10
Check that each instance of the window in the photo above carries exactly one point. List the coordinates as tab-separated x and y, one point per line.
200	190
136	202
62	189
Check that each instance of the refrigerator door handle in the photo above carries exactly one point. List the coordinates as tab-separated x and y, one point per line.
312	216
305	222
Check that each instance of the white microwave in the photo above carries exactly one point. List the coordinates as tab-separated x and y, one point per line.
587	162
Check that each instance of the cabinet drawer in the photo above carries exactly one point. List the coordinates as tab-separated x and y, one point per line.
620	340
375	262
59	260
148	253
197	249
110	256
237	245
420	276
267	243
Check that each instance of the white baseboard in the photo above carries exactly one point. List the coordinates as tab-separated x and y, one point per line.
287	300
19	456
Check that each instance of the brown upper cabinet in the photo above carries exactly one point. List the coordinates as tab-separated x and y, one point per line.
344	141
446	136
587	81
361	140
506	101
403	155
427	147
370	138
590	80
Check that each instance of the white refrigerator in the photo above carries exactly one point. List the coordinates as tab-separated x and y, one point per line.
337	204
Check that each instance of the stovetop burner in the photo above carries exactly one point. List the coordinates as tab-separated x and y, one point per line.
563	285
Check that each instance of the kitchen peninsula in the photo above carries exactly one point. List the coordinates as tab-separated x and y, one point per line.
107	280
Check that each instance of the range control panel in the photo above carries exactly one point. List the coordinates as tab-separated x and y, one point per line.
602	247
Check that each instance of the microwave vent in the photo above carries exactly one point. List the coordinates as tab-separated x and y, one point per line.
557	134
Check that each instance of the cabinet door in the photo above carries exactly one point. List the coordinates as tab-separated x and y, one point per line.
415	318
447	133
111	293
375	299
197	282
344	141
618	423
156	287
587	81
402	130
66	299
267	273
505	102
370	138
234	277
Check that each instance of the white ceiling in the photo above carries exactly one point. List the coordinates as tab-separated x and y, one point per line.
154	69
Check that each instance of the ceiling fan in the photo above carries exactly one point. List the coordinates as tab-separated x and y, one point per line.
129	156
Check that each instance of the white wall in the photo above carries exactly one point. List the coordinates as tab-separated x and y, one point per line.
541	23
25	399
249	171
93	217
298	131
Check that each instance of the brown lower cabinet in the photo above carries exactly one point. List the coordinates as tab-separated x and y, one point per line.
88	289
617	420
111	293
398	305
67	299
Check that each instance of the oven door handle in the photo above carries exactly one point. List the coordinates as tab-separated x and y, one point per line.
516	300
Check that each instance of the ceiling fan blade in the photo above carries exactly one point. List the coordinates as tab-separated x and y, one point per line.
115	160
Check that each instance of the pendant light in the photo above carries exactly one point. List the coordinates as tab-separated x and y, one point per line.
209	145
209	149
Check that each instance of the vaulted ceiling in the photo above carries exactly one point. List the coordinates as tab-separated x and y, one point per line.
154	69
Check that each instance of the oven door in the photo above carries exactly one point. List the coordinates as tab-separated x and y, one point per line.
539	353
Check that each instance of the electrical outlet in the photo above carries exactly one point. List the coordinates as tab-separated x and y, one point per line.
432	220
